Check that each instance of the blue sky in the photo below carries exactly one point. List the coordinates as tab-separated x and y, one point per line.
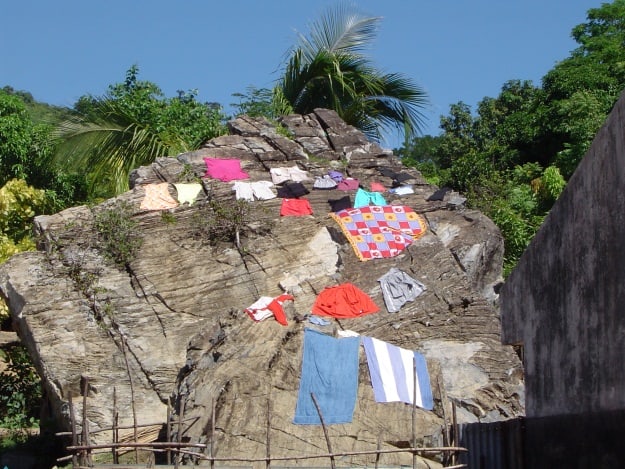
457	50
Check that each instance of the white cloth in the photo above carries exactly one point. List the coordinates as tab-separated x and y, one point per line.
248	190
280	175
258	310
402	190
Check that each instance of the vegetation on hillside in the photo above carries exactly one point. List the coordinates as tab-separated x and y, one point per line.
511	156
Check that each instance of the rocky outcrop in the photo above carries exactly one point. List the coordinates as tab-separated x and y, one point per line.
169	326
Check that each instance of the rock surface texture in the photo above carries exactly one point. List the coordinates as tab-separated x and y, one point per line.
170	325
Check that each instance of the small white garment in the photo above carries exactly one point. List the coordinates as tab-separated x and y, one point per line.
248	190
280	175
402	190
258	310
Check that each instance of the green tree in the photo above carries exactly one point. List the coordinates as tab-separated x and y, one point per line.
130	126
328	69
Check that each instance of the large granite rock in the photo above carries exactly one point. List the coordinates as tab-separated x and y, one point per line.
170	326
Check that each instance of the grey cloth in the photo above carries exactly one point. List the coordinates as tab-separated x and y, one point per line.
398	288
325	182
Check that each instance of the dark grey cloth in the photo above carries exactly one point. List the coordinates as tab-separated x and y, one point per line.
398	288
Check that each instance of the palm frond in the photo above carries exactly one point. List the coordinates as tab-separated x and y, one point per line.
339	30
107	147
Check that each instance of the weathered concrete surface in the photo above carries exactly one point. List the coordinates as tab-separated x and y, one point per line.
171	324
564	301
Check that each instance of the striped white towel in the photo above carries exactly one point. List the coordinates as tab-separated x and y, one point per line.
392	373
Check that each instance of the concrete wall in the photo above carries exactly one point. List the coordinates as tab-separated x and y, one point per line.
565	301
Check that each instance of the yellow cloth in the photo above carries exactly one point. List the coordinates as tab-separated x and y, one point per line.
187	193
157	197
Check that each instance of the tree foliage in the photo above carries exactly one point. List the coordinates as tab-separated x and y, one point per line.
130	126
513	156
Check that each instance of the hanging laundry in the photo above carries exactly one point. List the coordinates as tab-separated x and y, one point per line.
392	371
280	175
267	306
157	197
336	205
377	187
364	198
348	184
295	208
398	288
248	190
343	301
292	190
187	192
380	231
224	169
402	190
330	372
336	175
324	183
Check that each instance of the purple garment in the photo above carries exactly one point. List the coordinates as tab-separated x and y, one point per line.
336	175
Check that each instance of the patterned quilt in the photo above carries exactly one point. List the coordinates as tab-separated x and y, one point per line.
380	231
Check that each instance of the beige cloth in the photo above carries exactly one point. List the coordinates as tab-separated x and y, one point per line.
157	197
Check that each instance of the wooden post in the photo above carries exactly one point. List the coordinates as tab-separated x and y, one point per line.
74	436
85	422
377	455
168	431
115	423
455	431
132	397
179	436
445	427
212	447
325	430
414	411
268	453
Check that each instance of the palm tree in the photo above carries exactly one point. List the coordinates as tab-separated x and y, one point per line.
328	69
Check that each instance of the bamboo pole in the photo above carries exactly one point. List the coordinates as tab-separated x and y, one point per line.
179	436
455	430
168	430
85	422
73	423
115	431
325	430
446	435
212	446
165	444
414	410
268	448
132	395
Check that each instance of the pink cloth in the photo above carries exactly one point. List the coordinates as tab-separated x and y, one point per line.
224	169
348	184
377	187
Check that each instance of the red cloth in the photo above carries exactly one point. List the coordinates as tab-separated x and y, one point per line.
224	169
343	301
295	207
276	308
